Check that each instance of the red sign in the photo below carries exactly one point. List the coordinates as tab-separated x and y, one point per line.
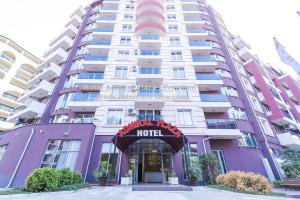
148	123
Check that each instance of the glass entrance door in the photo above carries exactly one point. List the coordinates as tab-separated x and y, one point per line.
150	160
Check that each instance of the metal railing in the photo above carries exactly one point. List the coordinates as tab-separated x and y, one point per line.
221	124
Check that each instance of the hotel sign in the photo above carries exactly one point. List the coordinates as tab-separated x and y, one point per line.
148	128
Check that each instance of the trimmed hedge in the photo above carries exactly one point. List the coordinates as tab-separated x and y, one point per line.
48	179
249	182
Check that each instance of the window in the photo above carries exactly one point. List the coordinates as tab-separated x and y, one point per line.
248	140
192	154
223	73
173	28
248	85
241	68
229	91
6	108
115	117
176	55
2	151
149	91
109	154
265	126
129	7
121	72
84	118
171	17
127	28
61	154
181	92
63	100
118	91
125	40
256	104
85	96
170	7
82	51
128	17
123	55
174	41
215	45
178	72
2	119
184	117
153	115
221	160
59	119
71	81
237	113
149	70
211	33
218	58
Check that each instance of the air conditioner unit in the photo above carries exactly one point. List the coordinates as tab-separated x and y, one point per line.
134	68
131	112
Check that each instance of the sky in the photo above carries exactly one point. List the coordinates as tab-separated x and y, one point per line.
34	23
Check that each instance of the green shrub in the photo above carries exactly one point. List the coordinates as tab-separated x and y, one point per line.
276	184
291	163
249	182
210	167
43	179
68	177
73	187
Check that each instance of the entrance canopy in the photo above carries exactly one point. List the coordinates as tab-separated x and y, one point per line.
137	130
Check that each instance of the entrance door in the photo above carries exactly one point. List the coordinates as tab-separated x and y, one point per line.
152	168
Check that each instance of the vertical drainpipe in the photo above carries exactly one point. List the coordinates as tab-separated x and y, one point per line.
21	158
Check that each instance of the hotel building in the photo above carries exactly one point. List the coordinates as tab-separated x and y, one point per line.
147	86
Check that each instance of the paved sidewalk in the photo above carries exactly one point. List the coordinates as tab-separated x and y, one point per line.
125	193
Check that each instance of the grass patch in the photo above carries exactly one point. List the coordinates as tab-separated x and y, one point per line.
223	187
63	188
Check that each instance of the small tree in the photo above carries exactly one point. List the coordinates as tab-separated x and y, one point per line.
209	165
102	174
291	163
194	171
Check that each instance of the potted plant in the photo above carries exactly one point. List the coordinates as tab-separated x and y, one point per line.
126	180
172	178
101	175
194	172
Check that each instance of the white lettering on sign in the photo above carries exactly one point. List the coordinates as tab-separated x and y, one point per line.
149	133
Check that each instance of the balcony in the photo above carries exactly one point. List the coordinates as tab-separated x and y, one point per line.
47	74
70	31
214	103
84	102
222	129
4	126
109	9
30	109
43	89
245	54
193	20
261	96
149	57
201	47
80	11
105	19
98	47
74	20
98	33
240	43
6	60
95	63
65	43
57	57
151	117
151	99
287	139
149	76
90	81
208	82
149	41
204	63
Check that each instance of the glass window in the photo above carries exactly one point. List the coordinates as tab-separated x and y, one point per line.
181	92
129	7
170	7
248	140
118	91
59	119
256	104
266	126
173	28
176	55
223	73
63	100
219	58
184	117
109	155
121	72
229	91
221	160
149	70
127	28
237	113
84	118
248	85
115	117
171	17
123	55
174	41
2	151
125	40
61	154
149	91
128	17
178	72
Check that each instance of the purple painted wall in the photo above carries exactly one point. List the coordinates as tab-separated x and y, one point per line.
33	156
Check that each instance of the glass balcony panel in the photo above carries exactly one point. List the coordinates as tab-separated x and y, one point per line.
208	76
213	98
151	117
150	37
220	124
149	70
203	59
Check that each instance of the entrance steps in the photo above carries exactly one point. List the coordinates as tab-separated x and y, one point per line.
160	187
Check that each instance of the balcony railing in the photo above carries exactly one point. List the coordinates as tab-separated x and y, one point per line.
21	77
196	30
95	58
150	37
190	9
149	53
149	70
104	42
200	44
82	120
27	70
203	59
103	30
106	18
9	59
213	98
149	93
90	76
108	8
83	97
151	117
208	76
194	19
221	124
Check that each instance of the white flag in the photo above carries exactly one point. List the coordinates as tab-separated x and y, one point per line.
286	57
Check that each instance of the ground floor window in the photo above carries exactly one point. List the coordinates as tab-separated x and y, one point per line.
221	160
61	154
2	151
109	158
190	157
248	140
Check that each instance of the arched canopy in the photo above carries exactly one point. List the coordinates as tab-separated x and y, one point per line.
137	130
